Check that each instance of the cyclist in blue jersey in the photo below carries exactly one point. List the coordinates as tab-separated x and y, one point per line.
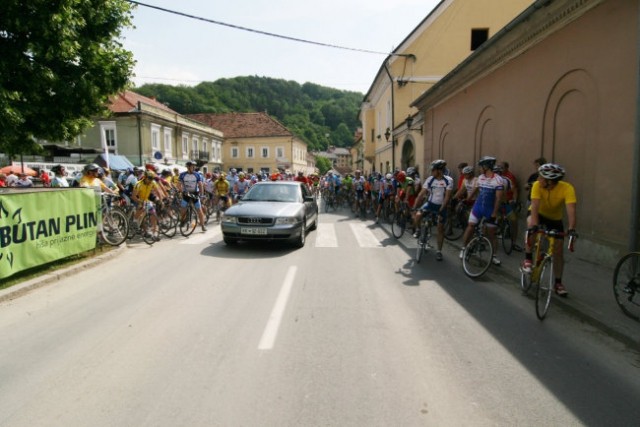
489	189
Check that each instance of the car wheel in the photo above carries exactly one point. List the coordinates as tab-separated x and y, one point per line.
229	241
300	241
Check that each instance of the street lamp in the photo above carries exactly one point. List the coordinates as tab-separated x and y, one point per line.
387	134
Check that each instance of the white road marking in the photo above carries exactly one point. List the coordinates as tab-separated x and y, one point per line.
364	236
326	236
273	325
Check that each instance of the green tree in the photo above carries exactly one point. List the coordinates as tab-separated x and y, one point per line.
59	62
323	164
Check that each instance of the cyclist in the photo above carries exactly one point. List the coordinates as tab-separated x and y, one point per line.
90	179
548	195
358	187
241	186
192	186
147	190
489	188
437	188
221	189
387	191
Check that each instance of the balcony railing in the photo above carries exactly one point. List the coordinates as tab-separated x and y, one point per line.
200	155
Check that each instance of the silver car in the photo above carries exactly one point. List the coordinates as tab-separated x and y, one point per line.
278	210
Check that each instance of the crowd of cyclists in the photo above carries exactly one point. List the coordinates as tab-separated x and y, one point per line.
489	196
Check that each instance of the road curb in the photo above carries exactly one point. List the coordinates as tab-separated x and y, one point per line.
49	278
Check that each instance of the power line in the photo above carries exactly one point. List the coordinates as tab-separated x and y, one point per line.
237	27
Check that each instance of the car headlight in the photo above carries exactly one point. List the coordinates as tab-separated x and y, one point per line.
287	221
229	219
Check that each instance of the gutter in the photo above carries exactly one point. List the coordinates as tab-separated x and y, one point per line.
138	119
635	184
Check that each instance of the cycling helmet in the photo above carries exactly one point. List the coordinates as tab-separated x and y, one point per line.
498	169
551	171
389	176
438	164
190	163
150	174
411	171
92	167
401	176
241	175
233	170
467	169
487	162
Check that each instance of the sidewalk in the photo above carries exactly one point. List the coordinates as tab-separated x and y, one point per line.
589	285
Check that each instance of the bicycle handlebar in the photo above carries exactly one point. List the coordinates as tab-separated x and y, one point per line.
555	233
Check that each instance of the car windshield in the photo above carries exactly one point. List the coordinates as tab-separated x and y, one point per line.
273	193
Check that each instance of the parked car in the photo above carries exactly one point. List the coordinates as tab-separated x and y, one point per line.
280	210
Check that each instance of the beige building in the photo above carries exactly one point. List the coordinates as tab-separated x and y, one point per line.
452	31
257	142
561	81
147	131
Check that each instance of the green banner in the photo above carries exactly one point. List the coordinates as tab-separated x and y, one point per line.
39	227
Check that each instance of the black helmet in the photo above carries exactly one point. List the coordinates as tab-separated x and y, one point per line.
92	167
190	163
487	162
438	164
551	171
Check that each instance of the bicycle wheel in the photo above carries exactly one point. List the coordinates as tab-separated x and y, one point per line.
146	229
168	222
626	284
525	281
421	243
477	256
399	224
507	237
544	288
189	222
115	227
456	224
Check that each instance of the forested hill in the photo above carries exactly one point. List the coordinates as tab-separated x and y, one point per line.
317	114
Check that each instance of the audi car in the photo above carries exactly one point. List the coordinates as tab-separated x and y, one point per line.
274	211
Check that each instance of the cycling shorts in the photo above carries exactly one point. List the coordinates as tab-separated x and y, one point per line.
432	207
196	202
551	224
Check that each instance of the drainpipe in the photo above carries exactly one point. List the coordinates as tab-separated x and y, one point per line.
635	186
393	140
139	132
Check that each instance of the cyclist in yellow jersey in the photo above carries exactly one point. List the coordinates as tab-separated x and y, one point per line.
221	189
549	197
147	190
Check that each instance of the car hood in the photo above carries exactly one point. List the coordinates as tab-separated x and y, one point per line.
265	209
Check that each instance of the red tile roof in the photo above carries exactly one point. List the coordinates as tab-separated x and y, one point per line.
243	125
126	101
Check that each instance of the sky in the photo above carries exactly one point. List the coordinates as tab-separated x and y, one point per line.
177	50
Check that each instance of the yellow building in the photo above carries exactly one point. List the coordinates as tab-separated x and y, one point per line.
255	142
392	130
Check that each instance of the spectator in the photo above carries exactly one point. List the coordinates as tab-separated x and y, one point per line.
3	180
11	179
23	181
59	180
44	177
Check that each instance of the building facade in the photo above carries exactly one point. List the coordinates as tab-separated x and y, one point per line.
257	142
146	131
561	81
392	129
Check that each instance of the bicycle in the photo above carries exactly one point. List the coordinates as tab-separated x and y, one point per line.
626	284
115	225
542	271
504	230
478	254
189	220
424	233
401	218
457	220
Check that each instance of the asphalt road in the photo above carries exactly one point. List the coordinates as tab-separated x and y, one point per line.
346	331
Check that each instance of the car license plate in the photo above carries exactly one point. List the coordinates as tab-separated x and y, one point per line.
253	231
